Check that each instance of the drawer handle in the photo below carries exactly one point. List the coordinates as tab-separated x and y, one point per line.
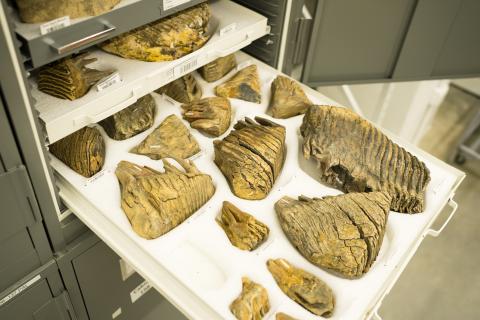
64	48
132	98
436	233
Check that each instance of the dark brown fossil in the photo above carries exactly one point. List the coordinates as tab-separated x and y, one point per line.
69	78
288	98
283	316
209	115
166	39
303	287
83	151
216	69
253	303
132	120
340	233
156	202
170	139
251	157
242	229
244	85
354	156
35	11
184	89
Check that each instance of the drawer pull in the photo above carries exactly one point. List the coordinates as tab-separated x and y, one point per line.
436	233
64	48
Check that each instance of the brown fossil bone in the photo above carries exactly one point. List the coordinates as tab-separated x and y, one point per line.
216	69
288	98
354	156
209	115
340	233
69	78
132	120
166	39
251	157
242	229
83	151
303	287
252	304
184	89
170	139
283	316
156	202
35	11
244	85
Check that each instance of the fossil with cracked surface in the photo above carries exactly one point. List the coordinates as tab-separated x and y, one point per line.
216	69
354	156
83	151
242	229
209	115
339	233
288	98
252	303
166	39
244	85
170	139
251	157
184	89
69	78
302	287
132	120
156	202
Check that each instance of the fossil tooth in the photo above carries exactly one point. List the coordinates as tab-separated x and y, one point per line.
354	156
252	304
288	98
209	115
242	229
69	78
251	157
216	69
283	316
170	139
184	89
302	287
166	39
35	11
156	202
244	85
340	233
83	151
132	120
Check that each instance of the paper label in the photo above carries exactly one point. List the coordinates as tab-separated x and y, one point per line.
169	4
185	67
169	99
54	25
109	81
139	291
117	313
125	269
15	292
227	29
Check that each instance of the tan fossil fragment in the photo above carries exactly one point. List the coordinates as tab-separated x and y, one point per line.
252	304
170	139
340	233
303	287
251	157
242	229
283	316
216	69
132	120
69	78
354	156
35	11
209	115
244	85
184	89
156	202
166	39
83	151
288	98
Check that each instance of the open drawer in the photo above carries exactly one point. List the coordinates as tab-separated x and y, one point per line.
195	266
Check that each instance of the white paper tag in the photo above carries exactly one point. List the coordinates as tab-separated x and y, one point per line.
185	67
15	292
139	291
244	64
169	4
117	313
54	25
227	29
125	269
109	81
169	99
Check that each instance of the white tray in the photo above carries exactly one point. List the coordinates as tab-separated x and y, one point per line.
62	117
196	267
